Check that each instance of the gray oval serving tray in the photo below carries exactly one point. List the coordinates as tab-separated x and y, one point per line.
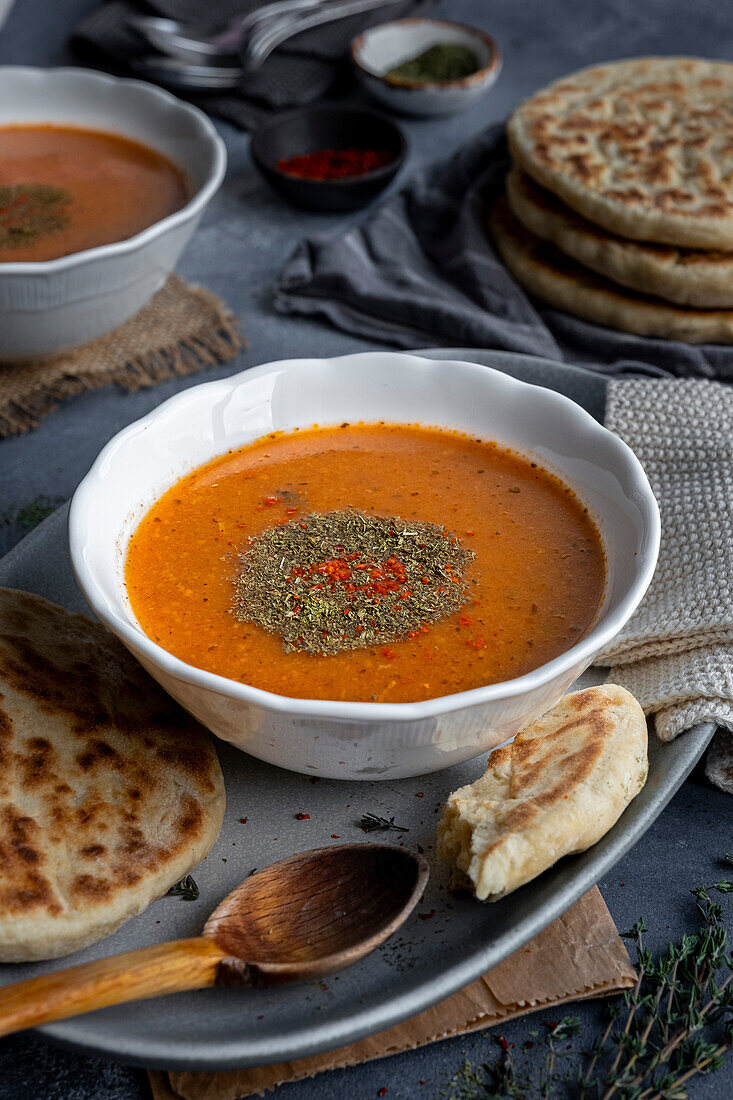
446	944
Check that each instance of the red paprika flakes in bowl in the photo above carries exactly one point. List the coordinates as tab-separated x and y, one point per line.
329	158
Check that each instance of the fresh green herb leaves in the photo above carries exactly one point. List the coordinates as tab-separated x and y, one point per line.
670	1027
186	889
345	580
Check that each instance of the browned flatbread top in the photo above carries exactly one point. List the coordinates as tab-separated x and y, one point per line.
643	147
108	790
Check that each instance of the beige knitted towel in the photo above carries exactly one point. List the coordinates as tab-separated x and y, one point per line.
676	652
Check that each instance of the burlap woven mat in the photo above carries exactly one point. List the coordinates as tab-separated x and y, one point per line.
182	329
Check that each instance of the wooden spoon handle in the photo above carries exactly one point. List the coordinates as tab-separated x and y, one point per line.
132	976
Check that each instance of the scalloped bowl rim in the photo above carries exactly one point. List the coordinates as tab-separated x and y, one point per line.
604	631
476	78
130	244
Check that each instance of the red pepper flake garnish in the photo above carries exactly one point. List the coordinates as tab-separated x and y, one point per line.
302	817
382	1091
502	1042
335	836
419	794
426	916
388	653
243	820
332	164
464	620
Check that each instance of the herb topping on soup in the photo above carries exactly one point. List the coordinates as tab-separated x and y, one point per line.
346	580
528	561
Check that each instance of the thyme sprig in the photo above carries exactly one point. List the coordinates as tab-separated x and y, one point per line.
373	822
674	1024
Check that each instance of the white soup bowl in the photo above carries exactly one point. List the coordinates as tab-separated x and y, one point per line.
349	740
50	306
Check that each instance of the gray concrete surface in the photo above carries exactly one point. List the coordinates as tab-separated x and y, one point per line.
242	243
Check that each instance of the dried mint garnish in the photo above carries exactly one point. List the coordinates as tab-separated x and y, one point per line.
343	580
28	210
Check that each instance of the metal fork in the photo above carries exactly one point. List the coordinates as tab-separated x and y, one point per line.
190	41
197	42
213	71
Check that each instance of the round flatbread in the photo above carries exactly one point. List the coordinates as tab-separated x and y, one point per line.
548	274
556	789
643	148
109	792
687	277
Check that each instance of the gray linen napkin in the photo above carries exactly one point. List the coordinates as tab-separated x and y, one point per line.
420	271
302	70
676	652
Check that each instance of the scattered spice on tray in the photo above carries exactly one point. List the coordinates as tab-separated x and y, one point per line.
335	164
438	64
29	210
344	580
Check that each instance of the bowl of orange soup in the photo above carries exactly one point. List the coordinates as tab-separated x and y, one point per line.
102	183
366	567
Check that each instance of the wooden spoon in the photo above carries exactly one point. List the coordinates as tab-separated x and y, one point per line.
308	915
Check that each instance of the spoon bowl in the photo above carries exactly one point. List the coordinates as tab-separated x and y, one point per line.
317	912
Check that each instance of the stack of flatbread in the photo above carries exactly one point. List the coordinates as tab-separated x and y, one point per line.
619	204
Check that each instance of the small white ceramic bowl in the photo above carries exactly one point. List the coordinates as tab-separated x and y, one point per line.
50	306
381	48
362	740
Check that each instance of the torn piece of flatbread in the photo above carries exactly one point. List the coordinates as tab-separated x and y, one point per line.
556	789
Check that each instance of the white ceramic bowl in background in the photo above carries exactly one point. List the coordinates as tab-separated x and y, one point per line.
49	306
362	740
381	48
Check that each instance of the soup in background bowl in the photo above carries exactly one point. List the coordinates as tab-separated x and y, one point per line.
94	269
64	189
346	738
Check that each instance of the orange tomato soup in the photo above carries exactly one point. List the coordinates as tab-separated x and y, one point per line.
539	564
116	188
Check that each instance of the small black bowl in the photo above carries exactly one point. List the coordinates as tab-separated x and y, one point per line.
313	128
